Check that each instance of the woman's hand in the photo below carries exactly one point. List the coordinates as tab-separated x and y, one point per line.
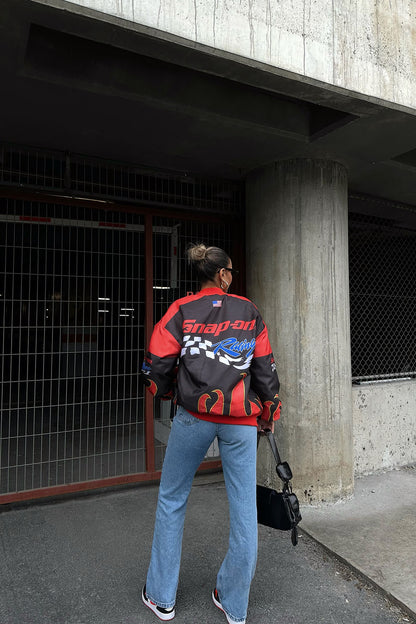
262	425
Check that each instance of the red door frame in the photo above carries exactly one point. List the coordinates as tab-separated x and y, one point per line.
238	258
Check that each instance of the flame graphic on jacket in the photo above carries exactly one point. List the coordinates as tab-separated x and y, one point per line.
238	400
271	409
216	408
237	405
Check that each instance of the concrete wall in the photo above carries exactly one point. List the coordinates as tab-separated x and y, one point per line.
365	46
384	425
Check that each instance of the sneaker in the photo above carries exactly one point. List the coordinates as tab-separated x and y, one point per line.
162	614
217	602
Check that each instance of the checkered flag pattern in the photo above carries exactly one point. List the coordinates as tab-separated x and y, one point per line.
196	345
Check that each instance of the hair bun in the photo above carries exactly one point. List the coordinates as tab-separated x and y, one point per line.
196	253
206	261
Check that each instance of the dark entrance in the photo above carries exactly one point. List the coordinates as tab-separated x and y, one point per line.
81	284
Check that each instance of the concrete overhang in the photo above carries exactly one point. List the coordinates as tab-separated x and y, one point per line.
86	83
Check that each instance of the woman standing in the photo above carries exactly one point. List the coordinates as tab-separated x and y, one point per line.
227	388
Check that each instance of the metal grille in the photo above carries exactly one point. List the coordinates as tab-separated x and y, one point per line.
383	292
170	261
92	177
72	304
72	310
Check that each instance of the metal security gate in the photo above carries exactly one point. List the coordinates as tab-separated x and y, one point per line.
91	254
72	308
80	289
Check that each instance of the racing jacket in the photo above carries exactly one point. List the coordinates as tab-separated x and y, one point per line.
226	372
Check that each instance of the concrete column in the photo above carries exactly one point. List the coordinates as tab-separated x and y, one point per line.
297	274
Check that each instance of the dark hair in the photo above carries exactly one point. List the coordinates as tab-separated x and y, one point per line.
207	260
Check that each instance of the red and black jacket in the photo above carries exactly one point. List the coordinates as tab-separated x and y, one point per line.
226	371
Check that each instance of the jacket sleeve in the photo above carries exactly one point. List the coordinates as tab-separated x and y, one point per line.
264	379
159	365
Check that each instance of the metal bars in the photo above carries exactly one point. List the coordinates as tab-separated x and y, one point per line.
76	292
382	249
79	284
87	177
72	308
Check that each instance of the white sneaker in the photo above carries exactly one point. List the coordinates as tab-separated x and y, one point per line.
216	599
162	614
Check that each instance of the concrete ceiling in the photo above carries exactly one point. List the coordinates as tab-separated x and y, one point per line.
75	84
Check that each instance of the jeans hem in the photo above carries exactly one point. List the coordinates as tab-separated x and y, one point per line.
234	619
228	614
163	605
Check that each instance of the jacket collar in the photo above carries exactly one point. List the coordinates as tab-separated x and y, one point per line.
212	291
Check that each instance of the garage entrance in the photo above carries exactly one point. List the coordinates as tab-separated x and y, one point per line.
81	286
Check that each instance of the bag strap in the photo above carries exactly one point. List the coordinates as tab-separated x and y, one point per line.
282	468
272	441
273	445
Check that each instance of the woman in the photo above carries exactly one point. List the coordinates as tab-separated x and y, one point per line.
226	387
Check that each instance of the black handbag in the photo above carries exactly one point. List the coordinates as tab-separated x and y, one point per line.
279	510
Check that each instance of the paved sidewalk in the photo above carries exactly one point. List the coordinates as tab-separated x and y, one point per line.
84	560
375	532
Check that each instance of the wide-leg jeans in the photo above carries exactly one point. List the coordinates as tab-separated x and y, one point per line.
188	443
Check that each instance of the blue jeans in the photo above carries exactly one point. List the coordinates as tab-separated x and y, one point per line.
188	443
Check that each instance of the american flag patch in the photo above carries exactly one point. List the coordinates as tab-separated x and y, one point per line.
217	304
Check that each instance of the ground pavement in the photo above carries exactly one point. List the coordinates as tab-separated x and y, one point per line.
83	561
